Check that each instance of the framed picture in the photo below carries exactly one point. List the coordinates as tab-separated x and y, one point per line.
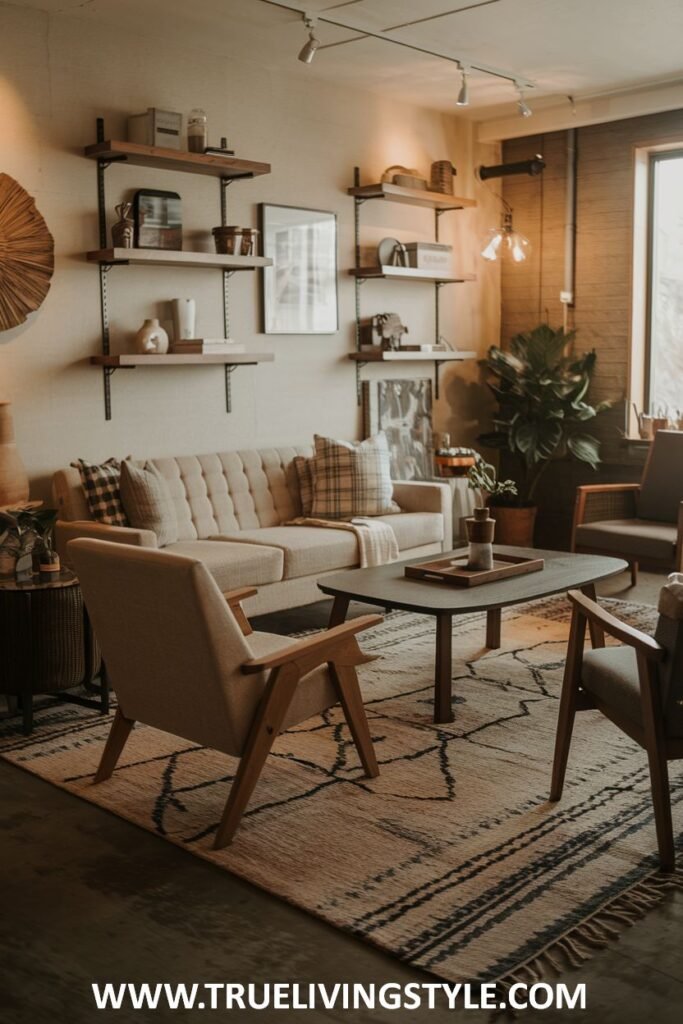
403	410
300	289
158	220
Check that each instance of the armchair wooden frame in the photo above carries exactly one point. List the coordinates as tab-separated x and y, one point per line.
337	648
651	735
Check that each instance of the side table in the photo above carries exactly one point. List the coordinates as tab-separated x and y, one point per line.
47	644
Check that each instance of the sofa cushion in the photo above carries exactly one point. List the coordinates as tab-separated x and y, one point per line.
352	479
307	550
637	537
234	565
611	675
147	502
414	529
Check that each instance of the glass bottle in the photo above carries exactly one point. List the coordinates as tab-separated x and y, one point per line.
197	131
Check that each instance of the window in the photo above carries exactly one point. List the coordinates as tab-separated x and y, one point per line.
664	355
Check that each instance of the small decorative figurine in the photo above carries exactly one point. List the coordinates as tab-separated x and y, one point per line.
123	231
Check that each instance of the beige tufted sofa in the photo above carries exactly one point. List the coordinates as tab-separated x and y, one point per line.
231	509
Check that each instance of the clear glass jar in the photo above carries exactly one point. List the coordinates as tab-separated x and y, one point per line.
197	131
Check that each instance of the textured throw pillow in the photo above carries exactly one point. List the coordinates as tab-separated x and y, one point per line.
304	473
148	503
352	479
102	491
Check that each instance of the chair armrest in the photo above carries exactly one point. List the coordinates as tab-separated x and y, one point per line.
73	530
319	647
234	599
641	642
596	502
427	496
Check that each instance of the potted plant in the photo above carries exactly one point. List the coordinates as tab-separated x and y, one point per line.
27	532
542	417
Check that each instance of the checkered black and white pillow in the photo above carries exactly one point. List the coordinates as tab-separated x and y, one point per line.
304	473
101	484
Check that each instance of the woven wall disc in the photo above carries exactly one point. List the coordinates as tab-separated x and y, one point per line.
26	254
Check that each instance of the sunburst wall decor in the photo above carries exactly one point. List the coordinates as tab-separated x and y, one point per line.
26	254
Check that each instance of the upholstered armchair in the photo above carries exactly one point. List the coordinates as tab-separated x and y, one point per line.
638	685
182	657
639	522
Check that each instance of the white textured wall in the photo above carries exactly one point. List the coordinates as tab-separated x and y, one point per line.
59	72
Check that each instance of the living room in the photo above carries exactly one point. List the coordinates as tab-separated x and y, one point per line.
300	598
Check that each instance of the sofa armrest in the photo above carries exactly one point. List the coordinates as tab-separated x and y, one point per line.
66	531
427	496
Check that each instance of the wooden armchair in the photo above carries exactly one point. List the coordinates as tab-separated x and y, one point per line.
183	657
638	686
639	522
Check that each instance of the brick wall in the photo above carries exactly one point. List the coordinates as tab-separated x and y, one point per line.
602	293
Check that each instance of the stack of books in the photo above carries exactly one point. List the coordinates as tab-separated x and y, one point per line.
206	346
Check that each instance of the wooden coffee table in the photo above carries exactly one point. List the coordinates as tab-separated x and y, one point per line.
389	587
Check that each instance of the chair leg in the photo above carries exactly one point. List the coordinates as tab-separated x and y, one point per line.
568	703
265	728
633	566
346	683
118	737
655	745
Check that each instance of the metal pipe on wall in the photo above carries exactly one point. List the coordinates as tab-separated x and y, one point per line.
567	293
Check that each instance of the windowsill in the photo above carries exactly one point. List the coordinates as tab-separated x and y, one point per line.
636	442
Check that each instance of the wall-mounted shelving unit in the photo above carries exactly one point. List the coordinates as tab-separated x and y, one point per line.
226	170
440	203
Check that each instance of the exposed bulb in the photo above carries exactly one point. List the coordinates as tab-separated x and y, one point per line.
506	243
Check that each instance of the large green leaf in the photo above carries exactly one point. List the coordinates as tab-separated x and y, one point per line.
585	448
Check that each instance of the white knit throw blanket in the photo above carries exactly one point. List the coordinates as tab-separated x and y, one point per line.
377	543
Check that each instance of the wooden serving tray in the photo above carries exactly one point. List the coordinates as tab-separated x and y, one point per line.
452	570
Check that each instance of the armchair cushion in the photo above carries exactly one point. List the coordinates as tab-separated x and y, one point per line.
661	491
611	675
638	537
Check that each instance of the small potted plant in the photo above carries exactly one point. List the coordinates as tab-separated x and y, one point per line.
26	533
542	417
496	495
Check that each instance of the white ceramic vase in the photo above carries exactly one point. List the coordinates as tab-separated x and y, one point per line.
184	319
151	339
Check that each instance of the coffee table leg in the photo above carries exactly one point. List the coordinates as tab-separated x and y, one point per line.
443	711
493	617
339	610
597	635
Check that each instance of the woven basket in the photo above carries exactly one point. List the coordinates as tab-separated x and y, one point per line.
442	177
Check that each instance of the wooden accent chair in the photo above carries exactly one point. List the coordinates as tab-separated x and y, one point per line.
640	522
182	657
638	686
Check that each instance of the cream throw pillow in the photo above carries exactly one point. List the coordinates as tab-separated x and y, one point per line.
352	479
148	503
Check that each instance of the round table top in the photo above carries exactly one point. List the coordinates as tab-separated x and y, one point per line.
65	578
387	585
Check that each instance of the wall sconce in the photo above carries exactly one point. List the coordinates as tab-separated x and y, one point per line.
505	243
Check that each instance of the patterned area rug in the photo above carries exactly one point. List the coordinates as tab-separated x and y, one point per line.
452	860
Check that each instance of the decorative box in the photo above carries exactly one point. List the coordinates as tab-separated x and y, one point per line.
430	256
156	128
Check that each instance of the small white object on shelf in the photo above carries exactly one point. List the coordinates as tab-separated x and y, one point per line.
151	339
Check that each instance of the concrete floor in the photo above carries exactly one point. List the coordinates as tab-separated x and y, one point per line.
88	897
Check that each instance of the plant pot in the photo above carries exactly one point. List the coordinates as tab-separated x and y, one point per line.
13	478
514	526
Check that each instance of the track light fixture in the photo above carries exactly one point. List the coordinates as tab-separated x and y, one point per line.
522	105
308	50
463	99
532	167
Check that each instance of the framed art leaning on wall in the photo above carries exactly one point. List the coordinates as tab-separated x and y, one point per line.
300	288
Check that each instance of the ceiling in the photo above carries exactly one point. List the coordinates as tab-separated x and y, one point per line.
577	47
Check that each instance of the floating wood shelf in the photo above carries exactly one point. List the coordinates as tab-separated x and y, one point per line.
412	196
409	274
372	355
176	258
176	160
181	359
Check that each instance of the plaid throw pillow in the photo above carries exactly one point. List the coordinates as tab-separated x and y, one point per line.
101	484
304	473
352	479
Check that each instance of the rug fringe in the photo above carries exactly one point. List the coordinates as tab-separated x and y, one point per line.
597	932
